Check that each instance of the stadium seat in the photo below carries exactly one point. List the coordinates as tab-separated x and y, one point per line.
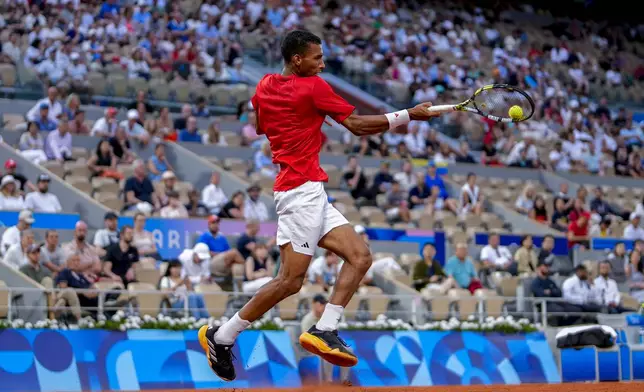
4	300
215	298
149	302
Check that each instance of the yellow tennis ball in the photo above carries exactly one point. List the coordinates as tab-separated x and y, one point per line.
515	112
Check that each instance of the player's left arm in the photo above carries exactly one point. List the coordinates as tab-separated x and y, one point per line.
255	102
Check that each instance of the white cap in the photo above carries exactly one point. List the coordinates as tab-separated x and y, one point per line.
74	56
359	229
202	251
634	215
8	179
132	114
26	216
167	175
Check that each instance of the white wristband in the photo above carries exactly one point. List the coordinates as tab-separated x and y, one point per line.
397	119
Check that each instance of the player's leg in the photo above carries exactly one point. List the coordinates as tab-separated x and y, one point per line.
340	238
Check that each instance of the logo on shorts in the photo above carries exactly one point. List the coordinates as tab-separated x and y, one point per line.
305	245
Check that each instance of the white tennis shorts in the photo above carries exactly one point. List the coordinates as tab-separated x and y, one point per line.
305	216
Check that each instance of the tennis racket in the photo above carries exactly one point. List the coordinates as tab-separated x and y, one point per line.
494	102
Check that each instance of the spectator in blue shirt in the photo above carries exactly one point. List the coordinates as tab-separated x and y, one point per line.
223	257
461	268
434	179
109	9
201	108
43	121
190	134
208	30
178	26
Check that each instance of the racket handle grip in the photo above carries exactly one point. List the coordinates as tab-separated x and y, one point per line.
441	109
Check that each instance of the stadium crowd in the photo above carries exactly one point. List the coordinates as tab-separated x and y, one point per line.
438	56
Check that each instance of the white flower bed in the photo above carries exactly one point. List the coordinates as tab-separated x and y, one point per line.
121	322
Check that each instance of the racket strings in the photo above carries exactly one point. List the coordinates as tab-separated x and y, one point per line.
497	102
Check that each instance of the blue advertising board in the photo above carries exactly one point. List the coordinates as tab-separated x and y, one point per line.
41	220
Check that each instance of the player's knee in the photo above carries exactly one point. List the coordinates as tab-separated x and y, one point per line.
289	286
361	259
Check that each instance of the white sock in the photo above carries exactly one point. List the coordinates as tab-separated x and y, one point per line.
330	318
227	333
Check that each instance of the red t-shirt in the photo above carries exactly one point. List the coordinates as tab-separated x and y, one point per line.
577	231
290	111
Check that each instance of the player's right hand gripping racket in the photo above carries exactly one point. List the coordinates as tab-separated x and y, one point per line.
498	102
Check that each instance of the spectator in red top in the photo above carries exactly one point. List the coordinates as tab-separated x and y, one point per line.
578	232
577	210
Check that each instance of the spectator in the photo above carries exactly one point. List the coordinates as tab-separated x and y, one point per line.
324	270
633	231
577	210
213	136
138	190
165	126
263	160
258	269
106	126
578	232
16	254
121	257
234	209
213	196
471	198
559	218
247	241
196	265
463	154
563	195
222	256
406	177
77	73
526	257
525	201
313	316
73	277
137	66
54	107
190	133
544	287
10	197
432	178
31	266
178	287
419	195
496	258
578	291
538	212
601	229
249	136
43	200
11	236
635	274
109	234
158	163
169	181
142	239
133	129
254	208
42	121
428	272
89	255
195	208
599	207
460	268
545	253
58	144
51	253
121	147
11	169
181	122
201	108
608	291
103	162
396	207
32	144
174	208
355	178
382	180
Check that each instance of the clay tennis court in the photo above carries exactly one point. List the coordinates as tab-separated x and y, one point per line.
567	387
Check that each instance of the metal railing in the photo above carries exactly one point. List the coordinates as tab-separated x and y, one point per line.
463	308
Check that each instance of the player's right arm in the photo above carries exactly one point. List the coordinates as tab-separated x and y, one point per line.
331	104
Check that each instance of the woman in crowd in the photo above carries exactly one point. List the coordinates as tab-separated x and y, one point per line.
179	288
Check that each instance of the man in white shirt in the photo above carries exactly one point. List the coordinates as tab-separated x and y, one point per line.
633	231
11	236
414	140
196	264
43	200
15	256
531	152
58	144
109	234
578	291
324	269
406	178
133	128
212	196
35	17
50	70
106	126
12	48
607	290
77	71
55	108
496	258
254	208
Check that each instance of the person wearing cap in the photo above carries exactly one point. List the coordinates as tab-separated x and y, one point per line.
169	180
196	264
11	236
223	257
158	163
109	234
106	126
133	129
121	257
54	106
15	256
43	200
633	231
174	209
10	197
313	316
11	169
58	144
254	207
43	121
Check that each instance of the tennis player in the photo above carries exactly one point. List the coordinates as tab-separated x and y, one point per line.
291	108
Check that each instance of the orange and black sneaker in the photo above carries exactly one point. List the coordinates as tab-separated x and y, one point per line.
220	356
329	346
